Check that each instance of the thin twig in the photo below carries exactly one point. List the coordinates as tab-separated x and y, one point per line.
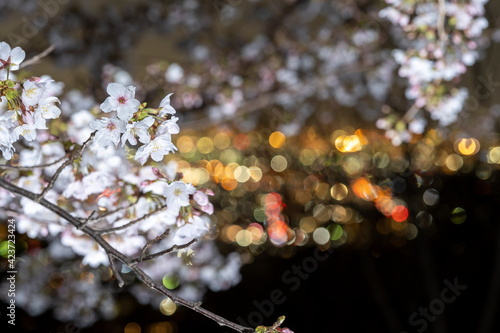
125	226
159	254
441	19
86	221
73	156
106	214
38	57
117	274
411	113
151	242
13	167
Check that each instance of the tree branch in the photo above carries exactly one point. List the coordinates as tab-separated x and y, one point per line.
159	254
73	156
114	253
38	57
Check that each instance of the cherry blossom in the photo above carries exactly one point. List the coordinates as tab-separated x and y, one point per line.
108	130
165	107
157	149
138	129
177	194
10	59
121	99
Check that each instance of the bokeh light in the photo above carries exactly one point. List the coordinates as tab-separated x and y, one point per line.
168	307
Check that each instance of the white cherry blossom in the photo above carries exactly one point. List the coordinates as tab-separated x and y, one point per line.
177	193
138	129
165	107
157	148
108	130
10	59
121	99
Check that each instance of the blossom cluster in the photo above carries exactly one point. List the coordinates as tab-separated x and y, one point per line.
133	121
29	103
130	205
442	39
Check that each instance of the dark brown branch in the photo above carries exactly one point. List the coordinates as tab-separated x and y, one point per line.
86	220
111	251
115	271
151	242
73	156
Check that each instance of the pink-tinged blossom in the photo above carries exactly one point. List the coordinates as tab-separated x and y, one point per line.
10	59
168	127
138	129
208	208
177	194
165	107
157	148
201	198
108	130
122	100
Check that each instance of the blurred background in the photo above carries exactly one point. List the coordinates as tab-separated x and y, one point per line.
353	194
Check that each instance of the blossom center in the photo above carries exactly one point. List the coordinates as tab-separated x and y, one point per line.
122	100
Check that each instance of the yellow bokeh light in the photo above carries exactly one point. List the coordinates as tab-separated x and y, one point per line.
350	143
244	238
308	224
229	170
222	141
242	174
494	155
277	139
132	328
229	184
257	233
454	162
255	173
168	307
205	145
185	144
467	146
339	191
229	232
279	163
